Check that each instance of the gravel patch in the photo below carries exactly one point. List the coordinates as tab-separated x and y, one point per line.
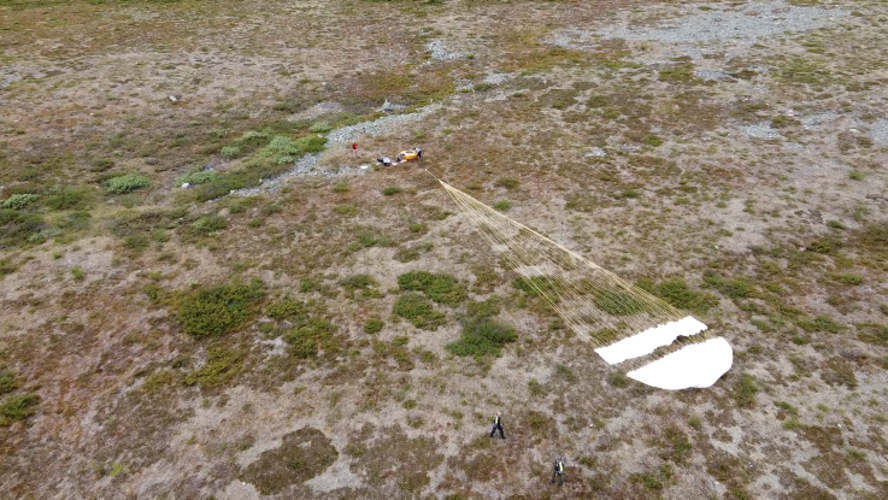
379	126
814	121
708	74
496	78
439	51
879	131
734	27
304	167
760	131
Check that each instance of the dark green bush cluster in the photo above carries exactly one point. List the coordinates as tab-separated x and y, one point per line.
484	309
221	366
373	325
363	283
419	311
126	183
539	286
821	323
744	391
207	225
17	226
616	302
366	238
214	311
17	407
729	287
481	337
67	198
677	293
310	336
309	333
442	288
19	201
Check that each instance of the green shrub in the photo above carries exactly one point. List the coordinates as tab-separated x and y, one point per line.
680	295
484	309
286	309
340	187
320	127
391	190
198	177
67	199
17	408
821	323
506	182
855	175
230	152
502	205
19	201
102	165
744	391
618	379
442	288
8	382
218	310
373	326
731	288
482	336
77	273
311	144
221	366
207	225
311	336
16	227
616	302
126	183
419	311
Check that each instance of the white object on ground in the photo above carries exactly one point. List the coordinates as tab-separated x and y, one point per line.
694	366
649	340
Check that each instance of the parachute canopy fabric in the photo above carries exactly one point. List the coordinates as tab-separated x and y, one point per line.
631	329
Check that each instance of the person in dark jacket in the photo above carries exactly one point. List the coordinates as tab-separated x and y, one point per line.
558	472
498	425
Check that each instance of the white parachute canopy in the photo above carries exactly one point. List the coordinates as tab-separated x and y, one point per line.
653	341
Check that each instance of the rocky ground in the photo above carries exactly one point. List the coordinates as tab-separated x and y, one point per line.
253	336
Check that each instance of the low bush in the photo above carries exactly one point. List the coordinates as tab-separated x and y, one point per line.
207	225
126	183
215	311
16	226
17	408
373	326
481	337
19	201
311	336
67	199
419	311
442	288
220	368
744	391
616	302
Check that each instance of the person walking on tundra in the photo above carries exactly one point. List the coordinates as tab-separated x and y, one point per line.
498	425
558	472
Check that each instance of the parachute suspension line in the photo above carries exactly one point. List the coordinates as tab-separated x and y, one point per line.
628	326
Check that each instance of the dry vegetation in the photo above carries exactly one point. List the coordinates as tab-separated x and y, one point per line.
347	335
